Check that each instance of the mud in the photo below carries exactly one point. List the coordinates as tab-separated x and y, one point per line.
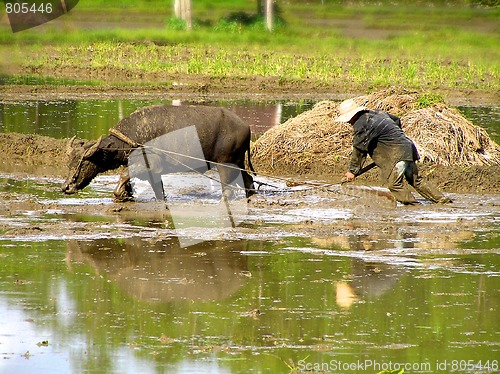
197	88
45	156
312	231
33	208
32	154
33	168
38	211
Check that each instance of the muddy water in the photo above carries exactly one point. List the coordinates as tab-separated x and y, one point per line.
312	279
92	118
89	119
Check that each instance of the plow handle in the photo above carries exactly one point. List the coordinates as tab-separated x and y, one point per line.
362	171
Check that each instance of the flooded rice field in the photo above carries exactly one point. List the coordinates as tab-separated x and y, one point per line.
298	279
309	277
88	119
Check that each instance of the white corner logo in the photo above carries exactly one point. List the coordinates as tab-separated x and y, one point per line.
176	162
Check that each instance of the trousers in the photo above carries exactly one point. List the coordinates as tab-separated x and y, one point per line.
408	170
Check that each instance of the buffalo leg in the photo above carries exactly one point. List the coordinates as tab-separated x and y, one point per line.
247	178
154	178
123	190
228	177
248	181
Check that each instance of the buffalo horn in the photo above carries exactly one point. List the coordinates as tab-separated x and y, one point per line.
70	145
89	152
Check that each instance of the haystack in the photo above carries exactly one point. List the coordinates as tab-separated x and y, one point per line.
393	100
313	142
301	144
443	136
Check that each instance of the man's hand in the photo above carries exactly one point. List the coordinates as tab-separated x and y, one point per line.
349	176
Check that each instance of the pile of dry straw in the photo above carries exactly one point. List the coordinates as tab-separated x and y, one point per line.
314	142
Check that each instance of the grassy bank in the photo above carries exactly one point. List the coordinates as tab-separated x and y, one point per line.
330	45
325	69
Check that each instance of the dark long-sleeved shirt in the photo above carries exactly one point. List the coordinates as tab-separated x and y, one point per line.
379	135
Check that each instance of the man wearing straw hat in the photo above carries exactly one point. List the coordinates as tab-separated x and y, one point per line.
379	134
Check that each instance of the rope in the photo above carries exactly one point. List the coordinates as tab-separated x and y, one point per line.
203	174
124	138
119	135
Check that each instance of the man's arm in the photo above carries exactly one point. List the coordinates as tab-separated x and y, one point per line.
357	160
360	147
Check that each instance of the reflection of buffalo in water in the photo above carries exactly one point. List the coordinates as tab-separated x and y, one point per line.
163	271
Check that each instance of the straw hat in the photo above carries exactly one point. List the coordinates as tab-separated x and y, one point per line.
348	109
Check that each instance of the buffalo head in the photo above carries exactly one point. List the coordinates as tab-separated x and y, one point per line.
84	164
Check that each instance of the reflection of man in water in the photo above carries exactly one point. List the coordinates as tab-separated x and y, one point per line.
369	280
379	135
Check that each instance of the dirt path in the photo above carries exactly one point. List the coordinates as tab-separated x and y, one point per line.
203	88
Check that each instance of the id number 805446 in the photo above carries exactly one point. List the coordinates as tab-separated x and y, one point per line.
25	8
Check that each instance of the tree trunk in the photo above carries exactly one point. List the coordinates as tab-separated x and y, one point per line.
269	14
182	10
177	9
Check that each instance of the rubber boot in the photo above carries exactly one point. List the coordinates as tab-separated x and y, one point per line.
426	189
395	183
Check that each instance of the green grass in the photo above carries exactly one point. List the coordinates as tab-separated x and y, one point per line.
420	47
230	61
34	80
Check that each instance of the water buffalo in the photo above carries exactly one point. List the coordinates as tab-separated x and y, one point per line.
223	136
